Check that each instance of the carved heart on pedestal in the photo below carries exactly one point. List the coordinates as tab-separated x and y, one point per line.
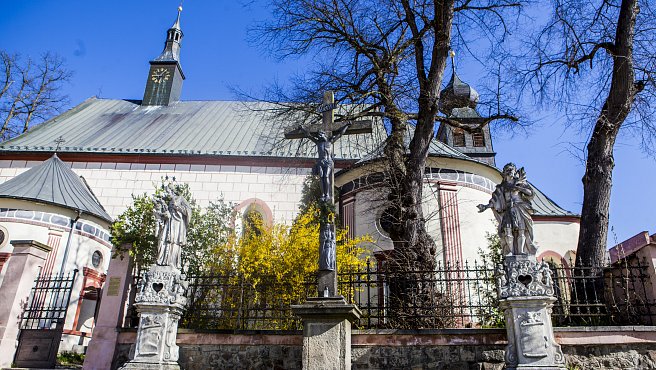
525	279
158	286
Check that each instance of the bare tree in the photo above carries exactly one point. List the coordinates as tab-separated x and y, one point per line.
597	60
30	91
385	59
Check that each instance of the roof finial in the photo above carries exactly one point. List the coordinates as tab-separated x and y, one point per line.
177	20
452	53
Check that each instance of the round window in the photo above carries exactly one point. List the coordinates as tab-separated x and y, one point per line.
96	259
3	237
386	221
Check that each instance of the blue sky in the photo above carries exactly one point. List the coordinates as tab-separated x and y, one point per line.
108	45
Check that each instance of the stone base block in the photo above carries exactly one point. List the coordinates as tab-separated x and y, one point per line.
531	343
327	332
149	366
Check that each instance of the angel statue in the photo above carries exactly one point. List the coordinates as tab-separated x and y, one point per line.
172	213
511	204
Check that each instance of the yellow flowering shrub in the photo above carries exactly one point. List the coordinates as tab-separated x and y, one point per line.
273	267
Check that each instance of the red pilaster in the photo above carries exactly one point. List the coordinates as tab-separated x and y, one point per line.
3	259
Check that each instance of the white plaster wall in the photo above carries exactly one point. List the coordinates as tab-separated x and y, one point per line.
474	226
556	236
560	237
368	208
431	208
114	183
369	205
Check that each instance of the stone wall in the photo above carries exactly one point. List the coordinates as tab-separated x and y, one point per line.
213	356
201	351
598	348
451	357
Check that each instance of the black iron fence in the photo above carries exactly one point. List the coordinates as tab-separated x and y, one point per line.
620	294
451	296
48	301
235	302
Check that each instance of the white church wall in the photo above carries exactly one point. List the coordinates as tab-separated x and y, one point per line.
367	212
560	237
431	208
114	183
474	226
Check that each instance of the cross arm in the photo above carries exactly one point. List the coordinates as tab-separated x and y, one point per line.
354	127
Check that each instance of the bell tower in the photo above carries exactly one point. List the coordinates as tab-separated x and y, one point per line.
165	76
458	101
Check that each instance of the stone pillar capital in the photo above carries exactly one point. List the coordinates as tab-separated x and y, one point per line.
32	247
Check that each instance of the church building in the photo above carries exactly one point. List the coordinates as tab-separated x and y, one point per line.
109	149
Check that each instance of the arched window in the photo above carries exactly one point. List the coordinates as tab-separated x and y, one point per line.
252	220
250	212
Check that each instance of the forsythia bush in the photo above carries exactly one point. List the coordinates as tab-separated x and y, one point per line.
283	256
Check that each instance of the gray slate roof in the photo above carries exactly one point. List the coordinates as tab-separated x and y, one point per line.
221	128
544	206
53	182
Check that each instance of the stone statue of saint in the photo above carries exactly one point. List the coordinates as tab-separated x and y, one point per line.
325	165
511	204
327	247
172	213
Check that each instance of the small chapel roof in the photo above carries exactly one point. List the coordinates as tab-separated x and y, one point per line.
53	182
544	206
219	128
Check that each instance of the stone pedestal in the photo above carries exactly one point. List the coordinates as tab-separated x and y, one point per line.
159	302
531	343
23	268
526	298
327	332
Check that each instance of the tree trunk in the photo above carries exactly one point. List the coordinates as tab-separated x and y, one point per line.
414	295
597	180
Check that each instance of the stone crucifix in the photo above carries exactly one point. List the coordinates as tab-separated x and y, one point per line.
324	136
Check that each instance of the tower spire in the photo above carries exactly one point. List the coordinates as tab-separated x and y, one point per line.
176	25
173	42
165	77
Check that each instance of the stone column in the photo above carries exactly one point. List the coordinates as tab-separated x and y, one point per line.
526	298
160	302
327	332
23	268
102	346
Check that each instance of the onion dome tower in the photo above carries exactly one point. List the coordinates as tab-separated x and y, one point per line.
165	76
458	102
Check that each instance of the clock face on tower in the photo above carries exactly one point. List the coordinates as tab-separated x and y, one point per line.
160	75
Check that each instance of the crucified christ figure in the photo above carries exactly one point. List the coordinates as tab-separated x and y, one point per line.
325	164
